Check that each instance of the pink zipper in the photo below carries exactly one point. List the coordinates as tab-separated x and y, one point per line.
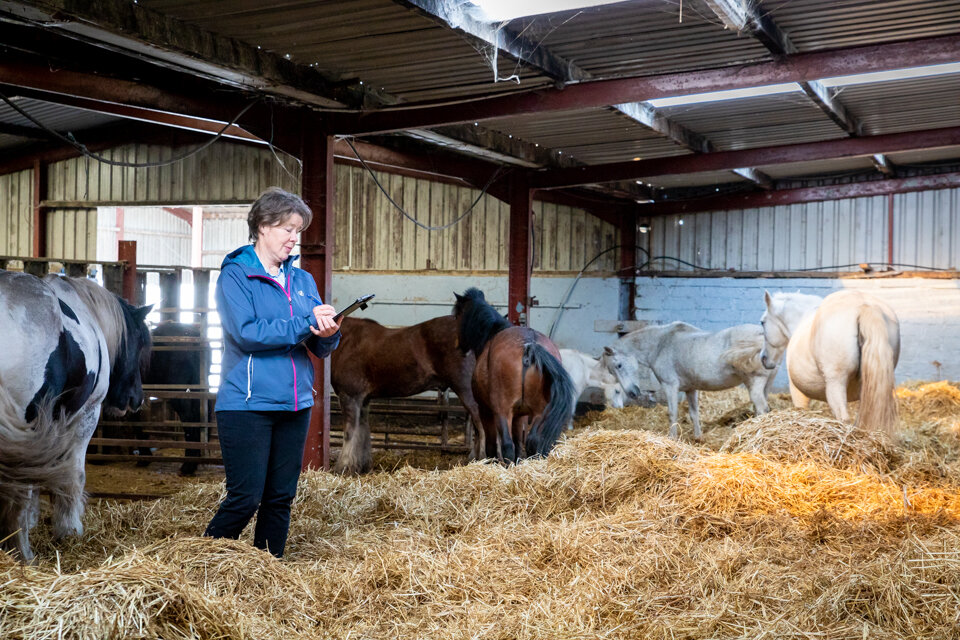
290	302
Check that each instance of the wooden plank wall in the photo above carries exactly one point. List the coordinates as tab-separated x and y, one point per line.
372	235
16	213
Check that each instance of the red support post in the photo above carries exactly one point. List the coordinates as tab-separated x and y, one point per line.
39	212
316	248
127	253
521	220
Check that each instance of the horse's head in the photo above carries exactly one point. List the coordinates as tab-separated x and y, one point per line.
130	362
614	396
477	320
625	368
776	332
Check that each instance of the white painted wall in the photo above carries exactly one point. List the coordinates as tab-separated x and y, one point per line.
929	312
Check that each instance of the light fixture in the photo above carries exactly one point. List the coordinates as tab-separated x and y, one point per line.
644	227
680	222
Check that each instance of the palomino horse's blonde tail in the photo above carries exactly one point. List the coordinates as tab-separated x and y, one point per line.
878	405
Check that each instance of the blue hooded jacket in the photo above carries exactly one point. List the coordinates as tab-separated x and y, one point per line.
266	335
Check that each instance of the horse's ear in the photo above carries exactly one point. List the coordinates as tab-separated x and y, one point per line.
607	351
457	296
141	313
767	299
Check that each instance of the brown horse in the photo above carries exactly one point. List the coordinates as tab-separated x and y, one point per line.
506	394
374	361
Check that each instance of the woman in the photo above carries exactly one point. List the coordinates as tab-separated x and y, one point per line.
270	320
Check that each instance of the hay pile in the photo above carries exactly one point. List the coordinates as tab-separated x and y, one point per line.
618	534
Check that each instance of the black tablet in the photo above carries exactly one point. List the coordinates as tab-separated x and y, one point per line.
359	303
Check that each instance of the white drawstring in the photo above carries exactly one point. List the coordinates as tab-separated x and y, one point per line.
249	367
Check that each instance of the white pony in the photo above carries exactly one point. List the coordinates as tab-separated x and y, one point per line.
839	348
586	371
684	358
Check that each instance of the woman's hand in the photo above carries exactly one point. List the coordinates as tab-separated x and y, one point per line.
326	326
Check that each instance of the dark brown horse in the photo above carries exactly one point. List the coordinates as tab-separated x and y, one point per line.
518	377
374	361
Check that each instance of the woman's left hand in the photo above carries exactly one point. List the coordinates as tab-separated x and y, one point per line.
326	325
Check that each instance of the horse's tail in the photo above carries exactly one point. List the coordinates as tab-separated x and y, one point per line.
744	354
878	405
559	409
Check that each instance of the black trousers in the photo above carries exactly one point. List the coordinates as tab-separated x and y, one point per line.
262	456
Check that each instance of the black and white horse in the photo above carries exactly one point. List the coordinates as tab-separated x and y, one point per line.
70	346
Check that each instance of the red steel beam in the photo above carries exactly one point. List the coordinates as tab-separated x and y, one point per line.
21	73
316	247
190	123
520	264
801	67
724	160
807	194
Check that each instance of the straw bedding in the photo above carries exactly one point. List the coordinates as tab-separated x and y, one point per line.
789	525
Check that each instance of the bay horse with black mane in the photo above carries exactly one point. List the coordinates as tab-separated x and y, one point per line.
518	377
70	347
374	361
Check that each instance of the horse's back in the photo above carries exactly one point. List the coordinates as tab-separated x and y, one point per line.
387	361
827	343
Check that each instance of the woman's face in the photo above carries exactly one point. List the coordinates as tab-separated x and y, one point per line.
276	242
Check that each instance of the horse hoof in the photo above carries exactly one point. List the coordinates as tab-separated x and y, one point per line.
187	469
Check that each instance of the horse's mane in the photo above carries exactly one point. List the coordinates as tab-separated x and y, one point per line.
479	321
107	308
782	301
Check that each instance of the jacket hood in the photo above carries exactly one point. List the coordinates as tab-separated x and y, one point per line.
247	258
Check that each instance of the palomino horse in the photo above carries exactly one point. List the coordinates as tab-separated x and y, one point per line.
70	346
684	358
586	371
518	376
839	348
374	361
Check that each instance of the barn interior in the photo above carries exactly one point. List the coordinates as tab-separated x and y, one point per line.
594	167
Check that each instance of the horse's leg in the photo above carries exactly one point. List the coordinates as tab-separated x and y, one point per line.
470	404
19	508
757	387
66	487
800	401
672	391
693	403
520	430
355	452
489	428
836	391
507	447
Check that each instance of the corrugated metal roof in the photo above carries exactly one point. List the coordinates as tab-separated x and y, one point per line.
829	24
55	116
410	57
905	105
787	118
387	46
817	168
637	39
595	136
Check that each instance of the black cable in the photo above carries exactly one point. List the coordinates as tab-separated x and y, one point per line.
566	298
69	139
483	192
